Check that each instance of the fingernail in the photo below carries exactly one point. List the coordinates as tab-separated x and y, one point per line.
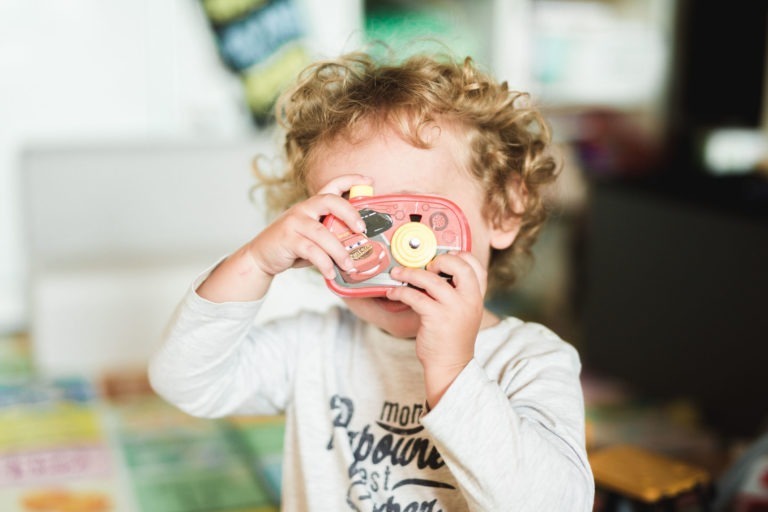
361	227
348	264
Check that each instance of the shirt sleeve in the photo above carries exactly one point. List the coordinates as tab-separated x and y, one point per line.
516	442
216	360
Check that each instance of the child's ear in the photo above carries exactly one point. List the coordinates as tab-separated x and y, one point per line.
504	236
504	231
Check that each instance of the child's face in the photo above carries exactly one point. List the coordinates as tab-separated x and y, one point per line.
397	167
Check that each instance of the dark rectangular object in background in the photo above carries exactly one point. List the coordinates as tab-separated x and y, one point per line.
676	303
719	66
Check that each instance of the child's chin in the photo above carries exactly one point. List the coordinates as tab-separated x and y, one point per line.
393	317
399	331
392	306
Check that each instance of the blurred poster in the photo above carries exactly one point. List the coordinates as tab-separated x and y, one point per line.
261	41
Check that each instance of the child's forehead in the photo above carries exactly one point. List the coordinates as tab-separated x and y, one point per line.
398	165
441	174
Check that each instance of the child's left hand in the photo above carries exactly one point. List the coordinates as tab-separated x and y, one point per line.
451	313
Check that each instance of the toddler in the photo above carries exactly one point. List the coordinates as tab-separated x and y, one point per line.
422	400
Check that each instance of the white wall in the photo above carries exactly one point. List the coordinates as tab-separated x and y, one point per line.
117	232
94	70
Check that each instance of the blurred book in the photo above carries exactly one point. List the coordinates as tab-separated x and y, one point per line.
177	463
260	441
54	451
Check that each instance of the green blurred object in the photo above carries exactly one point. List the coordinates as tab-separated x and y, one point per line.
427	27
178	463
259	441
15	359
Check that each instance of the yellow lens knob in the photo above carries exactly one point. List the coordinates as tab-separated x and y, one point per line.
413	245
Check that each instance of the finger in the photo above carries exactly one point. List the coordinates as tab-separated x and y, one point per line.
464	276
480	271
341	184
317	234
311	252
337	187
302	263
419	301
436	286
319	206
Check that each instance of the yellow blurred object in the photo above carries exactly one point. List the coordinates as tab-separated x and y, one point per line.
264	81
589	434
226	10
62	500
50	426
641	475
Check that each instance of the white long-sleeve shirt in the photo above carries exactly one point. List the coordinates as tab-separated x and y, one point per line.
508	434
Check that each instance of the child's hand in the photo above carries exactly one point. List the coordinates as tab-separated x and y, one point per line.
297	238
451	313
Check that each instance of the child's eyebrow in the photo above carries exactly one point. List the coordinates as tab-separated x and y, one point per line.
409	192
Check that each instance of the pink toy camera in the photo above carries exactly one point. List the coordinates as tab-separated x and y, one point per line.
405	230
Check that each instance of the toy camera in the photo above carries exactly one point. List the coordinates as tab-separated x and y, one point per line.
404	230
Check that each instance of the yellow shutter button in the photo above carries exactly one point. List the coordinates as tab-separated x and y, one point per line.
413	245
360	191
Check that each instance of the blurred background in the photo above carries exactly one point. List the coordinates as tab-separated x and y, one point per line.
127	132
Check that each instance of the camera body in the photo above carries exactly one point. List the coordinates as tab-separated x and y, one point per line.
401	230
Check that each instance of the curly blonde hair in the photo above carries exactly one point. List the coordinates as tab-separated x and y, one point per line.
508	139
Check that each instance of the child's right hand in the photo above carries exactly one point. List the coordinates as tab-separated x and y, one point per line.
295	239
